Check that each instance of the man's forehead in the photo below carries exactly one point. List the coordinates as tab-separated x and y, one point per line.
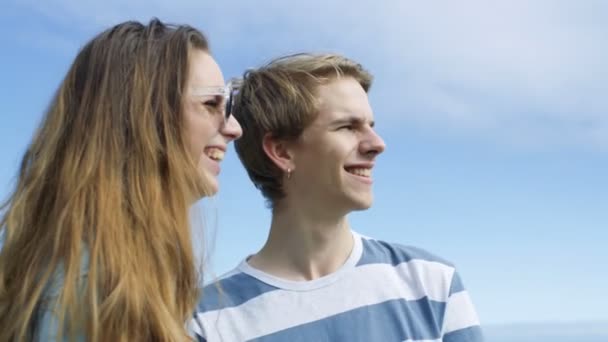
341	90
346	108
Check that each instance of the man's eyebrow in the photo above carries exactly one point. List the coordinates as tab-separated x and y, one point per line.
353	120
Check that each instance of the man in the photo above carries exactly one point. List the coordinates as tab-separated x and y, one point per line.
309	145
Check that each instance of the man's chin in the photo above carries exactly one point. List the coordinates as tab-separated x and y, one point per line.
359	203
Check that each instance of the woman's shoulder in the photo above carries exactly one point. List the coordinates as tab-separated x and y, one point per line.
46	321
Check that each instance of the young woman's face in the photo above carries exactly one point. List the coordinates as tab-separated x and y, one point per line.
208	133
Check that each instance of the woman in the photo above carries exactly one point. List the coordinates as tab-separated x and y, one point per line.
97	239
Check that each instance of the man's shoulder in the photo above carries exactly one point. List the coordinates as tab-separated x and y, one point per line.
377	251
230	290
423	273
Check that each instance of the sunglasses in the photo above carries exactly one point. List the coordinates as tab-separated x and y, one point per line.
227	92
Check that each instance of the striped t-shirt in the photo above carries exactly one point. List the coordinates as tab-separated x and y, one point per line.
384	292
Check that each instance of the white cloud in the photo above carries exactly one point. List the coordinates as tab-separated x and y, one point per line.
540	70
517	71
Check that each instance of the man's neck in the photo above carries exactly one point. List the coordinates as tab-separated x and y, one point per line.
302	246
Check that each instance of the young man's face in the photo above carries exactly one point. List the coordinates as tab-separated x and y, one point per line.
335	155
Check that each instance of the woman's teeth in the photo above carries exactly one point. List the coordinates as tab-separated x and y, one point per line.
214	153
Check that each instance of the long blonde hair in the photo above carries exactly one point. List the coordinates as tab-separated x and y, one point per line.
108	175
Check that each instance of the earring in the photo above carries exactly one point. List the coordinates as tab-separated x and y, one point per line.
288	173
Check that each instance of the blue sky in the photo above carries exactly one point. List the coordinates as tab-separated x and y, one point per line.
495	116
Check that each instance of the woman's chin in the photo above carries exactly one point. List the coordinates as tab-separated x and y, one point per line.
210	182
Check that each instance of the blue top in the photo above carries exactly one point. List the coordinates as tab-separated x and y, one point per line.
46	323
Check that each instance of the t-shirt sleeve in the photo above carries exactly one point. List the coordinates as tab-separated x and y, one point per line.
461	323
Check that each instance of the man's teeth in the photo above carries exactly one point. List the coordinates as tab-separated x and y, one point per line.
363	172
215	154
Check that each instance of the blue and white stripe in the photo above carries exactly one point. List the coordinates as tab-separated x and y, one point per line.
384	292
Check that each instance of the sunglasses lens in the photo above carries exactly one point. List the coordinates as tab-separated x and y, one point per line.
229	106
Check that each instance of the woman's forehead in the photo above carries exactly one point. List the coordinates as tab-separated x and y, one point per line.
204	70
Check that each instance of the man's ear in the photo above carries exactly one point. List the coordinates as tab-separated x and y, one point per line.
278	151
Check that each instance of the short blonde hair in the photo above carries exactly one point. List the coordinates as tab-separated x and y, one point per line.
280	98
